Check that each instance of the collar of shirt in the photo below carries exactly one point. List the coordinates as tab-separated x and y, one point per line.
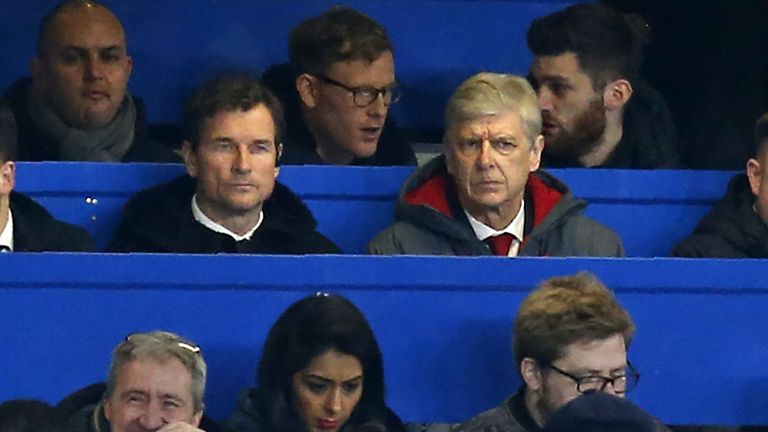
216	227
516	227
6	236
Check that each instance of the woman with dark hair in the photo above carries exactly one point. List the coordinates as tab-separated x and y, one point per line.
321	371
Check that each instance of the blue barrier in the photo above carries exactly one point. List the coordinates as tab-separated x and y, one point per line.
176	43
443	323
651	210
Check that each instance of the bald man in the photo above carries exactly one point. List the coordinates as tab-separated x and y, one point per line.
76	106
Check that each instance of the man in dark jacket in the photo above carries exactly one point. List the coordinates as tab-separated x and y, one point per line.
156	383
485	196
571	337
738	225
337	92
25	226
76	106
230	202
597	111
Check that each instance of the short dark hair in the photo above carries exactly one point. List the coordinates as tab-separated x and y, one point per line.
761	134
228	92
45	23
27	415
608	44
8	133
339	34
307	329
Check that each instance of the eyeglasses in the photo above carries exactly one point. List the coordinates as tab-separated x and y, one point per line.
621	383
364	96
181	343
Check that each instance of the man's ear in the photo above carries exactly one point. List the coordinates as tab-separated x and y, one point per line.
197	418
617	93
279	150
7	177
36	69
128	66
307	89
537	148
755	175
190	161
531	373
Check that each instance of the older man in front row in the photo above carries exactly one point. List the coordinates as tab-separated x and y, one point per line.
156	383
485	195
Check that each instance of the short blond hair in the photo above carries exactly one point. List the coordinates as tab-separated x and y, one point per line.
488	93
564	310
161	346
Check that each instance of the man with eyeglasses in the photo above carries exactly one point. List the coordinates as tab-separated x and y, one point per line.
570	337
337	92
156	384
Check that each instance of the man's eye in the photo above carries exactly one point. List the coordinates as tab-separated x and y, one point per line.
223	146
69	58
470	145
591	379
260	148
170	404
111	58
504	145
559	89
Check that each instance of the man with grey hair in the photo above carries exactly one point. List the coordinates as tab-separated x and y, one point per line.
156	383
485	195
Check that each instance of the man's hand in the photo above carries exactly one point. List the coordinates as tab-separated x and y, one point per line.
179	427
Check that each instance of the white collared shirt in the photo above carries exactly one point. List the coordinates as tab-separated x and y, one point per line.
516	228
6	236
217	227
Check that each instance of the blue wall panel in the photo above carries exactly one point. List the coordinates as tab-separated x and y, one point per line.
443	323
177	43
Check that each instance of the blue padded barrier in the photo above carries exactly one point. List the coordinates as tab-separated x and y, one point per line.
651	210
176	44
443	323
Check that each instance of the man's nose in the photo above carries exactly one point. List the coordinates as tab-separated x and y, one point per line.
242	163
94	68
485	154
152	418
378	108
545	98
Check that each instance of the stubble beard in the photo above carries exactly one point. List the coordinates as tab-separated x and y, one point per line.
585	135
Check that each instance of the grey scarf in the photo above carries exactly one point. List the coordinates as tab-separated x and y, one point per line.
108	144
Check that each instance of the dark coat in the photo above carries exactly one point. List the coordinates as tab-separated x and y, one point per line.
510	416
731	229
430	221
298	143
83	412
35	146
35	230
160	219
253	414
649	138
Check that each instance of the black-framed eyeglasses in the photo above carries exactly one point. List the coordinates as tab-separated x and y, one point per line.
364	96
621	384
181	343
